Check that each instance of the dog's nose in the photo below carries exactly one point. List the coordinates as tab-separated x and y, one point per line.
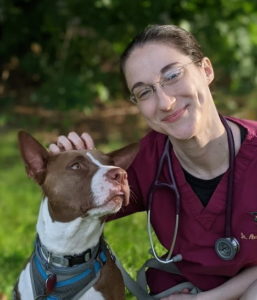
116	175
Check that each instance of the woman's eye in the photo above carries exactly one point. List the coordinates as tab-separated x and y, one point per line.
143	94
75	166
172	76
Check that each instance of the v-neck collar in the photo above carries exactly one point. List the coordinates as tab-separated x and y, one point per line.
191	203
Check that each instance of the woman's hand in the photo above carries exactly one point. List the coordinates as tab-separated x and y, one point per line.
181	297
72	142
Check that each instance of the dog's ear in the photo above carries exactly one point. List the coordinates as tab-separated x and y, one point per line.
35	156
123	157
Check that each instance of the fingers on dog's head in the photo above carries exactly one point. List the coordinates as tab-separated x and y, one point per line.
77	141
88	141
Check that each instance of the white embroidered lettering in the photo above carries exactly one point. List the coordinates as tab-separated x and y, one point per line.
243	237
250	236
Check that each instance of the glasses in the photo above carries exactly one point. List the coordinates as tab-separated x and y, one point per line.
173	75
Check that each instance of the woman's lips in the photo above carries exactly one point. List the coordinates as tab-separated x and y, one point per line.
174	116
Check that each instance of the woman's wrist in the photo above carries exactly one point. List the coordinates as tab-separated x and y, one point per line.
205	296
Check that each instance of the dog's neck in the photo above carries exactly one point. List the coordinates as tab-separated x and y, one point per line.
68	238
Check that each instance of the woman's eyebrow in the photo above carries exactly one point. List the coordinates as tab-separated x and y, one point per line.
162	71
140	83
167	67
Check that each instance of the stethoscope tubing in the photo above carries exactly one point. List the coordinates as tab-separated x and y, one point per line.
232	242
168	259
230	187
172	185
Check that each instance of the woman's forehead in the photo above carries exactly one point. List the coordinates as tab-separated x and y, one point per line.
146	62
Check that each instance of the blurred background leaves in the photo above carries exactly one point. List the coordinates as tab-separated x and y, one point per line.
64	54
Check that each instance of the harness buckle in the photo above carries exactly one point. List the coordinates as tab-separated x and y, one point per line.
49	258
78	259
88	255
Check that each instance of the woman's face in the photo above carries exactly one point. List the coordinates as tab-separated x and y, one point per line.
174	92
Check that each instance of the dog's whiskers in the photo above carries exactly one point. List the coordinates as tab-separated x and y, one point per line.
133	195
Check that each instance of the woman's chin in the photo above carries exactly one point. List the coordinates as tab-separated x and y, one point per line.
181	132
185	136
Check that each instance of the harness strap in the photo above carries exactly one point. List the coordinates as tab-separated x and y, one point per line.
131	284
139	287
153	263
72	282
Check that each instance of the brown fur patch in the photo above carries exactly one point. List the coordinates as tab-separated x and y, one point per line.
110	283
70	196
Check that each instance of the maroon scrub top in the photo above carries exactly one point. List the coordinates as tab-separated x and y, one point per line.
199	226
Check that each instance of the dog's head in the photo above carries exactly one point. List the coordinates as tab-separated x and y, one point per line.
78	183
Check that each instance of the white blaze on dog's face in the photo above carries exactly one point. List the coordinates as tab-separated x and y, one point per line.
88	184
109	188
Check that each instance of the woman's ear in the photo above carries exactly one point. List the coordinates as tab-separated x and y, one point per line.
208	69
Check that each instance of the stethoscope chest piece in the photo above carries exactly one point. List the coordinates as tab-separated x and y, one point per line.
227	248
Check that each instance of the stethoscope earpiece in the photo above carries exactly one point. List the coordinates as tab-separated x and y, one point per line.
227	248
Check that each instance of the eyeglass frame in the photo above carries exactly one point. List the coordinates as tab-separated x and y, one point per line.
132	96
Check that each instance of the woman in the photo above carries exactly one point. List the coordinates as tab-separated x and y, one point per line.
168	78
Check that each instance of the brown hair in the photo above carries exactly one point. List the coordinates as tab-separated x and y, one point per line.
173	35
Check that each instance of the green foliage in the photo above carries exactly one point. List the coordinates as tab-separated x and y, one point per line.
19	201
65	53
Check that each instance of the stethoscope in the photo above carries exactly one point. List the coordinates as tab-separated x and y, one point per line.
227	247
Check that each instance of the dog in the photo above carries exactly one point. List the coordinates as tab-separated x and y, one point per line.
81	188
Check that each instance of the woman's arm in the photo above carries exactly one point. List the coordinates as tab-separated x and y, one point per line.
234	288
241	287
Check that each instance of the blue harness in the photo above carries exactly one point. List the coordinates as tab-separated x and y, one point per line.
52	282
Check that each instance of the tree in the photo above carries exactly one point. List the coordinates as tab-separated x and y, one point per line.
64	54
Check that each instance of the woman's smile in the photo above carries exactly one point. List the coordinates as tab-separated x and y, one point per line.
174	116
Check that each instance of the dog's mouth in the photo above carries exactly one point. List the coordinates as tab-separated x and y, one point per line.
119	198
112	203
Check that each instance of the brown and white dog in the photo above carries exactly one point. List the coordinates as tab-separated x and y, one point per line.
81	187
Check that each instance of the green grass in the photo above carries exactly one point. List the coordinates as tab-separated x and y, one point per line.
19	202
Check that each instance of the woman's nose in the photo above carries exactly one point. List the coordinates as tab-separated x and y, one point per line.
165	101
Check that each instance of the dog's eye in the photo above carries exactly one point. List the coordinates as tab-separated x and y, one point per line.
75	166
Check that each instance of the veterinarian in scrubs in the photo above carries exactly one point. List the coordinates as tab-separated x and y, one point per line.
214	167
